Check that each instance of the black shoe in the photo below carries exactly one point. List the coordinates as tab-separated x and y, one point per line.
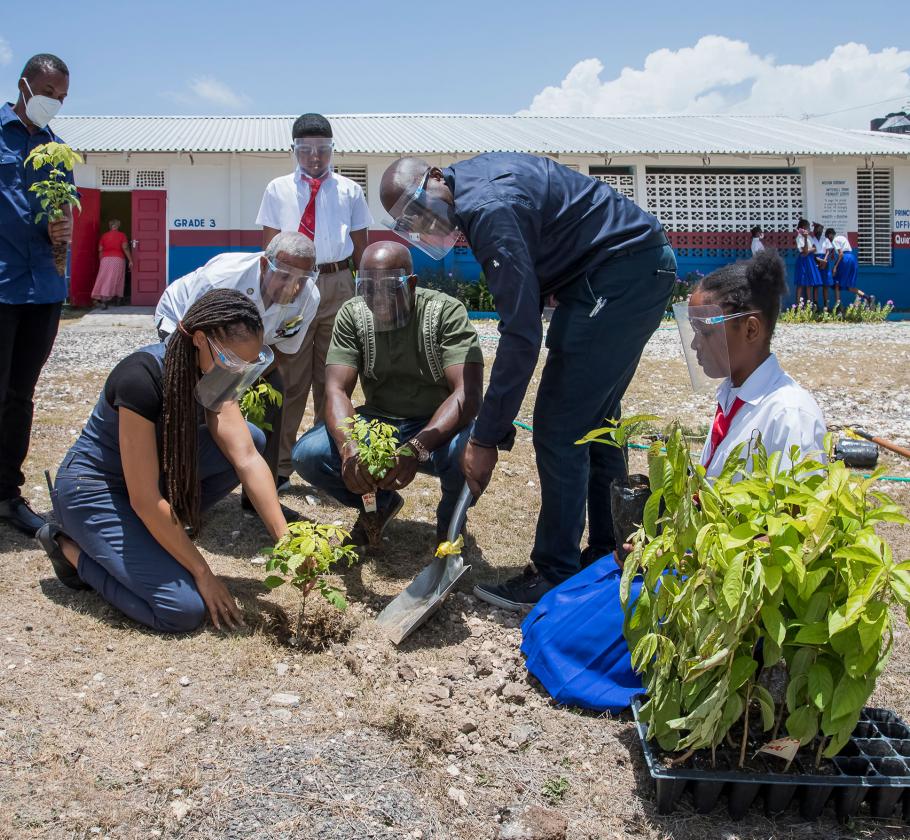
290	515
593	553
517	593
16	512
369	527
47	538
282	483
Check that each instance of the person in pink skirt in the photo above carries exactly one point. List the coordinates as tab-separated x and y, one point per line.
114	255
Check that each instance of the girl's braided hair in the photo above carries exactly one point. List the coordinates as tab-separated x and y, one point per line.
224	314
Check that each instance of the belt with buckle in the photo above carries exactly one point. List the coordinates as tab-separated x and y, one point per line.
331	268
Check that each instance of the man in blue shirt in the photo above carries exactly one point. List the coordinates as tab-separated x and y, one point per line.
541	229
31	290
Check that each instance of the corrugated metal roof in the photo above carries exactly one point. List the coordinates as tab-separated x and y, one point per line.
475	133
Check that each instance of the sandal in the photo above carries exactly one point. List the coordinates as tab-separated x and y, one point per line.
66	574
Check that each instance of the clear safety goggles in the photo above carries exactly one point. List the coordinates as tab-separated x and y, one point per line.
229	376
314	155
387	296
285	285
423	221
703	334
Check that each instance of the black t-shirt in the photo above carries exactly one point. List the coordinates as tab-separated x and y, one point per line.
136	383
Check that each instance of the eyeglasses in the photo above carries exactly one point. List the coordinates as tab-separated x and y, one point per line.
309	148
231	361
699	324
290	274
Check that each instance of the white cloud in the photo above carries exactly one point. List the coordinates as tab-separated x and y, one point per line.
720	75
6	51
207	91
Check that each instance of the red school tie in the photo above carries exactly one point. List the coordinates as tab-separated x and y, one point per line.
722	425
308	219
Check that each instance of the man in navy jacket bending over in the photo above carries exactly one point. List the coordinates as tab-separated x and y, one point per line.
541	229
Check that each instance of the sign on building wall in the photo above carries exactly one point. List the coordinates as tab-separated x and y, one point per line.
836	204
901	233
196	224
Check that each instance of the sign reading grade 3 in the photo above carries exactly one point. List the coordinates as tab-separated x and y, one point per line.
194	223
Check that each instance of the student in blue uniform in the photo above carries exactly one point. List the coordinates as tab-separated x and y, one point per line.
573	638
541	229
843	269
807	276
824	261
165	442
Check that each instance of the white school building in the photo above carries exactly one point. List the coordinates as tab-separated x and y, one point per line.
186	188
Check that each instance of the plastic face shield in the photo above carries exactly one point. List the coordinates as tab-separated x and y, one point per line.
387	296
284	285
230	376
423	221
314	155
703	334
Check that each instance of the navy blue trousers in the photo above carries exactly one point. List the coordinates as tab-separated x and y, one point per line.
120	558
593	354
317	461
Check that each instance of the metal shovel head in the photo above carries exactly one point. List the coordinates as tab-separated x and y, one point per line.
422	598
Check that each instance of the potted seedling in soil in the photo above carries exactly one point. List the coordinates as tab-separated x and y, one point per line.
254	403
303	558
377	448
55	193
765	604
628	495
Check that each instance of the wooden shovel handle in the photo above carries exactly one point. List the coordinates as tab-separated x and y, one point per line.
885	444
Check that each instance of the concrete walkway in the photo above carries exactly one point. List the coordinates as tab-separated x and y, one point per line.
137	317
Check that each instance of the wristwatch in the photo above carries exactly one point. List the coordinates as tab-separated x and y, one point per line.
422	453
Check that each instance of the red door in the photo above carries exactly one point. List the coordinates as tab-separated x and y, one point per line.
149	225
84	248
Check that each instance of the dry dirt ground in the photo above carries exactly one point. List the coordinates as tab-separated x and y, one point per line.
107	730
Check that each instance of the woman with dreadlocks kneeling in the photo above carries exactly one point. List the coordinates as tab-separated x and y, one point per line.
164	443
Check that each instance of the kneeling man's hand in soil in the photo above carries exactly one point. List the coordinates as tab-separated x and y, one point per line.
402	474
354	474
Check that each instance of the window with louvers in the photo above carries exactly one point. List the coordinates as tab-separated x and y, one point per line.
725	202
874	209
358	174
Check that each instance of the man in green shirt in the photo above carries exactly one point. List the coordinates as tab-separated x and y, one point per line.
421	370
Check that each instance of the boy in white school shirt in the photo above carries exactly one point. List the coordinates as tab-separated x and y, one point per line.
332	211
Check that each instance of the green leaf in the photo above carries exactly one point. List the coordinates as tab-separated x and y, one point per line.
742	670
849	698
733	582
803	724
812	634
766	702
273	581
774	623
821	686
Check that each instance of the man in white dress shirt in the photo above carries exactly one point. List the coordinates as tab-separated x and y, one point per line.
281	282
332	211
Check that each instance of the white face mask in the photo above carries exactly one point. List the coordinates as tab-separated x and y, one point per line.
40	110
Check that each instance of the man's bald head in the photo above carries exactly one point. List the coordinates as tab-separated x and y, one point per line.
402	176
387	256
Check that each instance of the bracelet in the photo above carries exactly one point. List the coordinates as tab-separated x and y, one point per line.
423	454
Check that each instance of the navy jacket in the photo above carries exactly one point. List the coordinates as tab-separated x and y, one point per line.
27	272
534	226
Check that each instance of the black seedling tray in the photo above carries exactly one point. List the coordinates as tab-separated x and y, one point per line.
873	768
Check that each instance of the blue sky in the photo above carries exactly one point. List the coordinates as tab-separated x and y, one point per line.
493	57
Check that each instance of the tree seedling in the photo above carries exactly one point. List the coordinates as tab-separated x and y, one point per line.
55	193
766	577
377	448
254	403
303	557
